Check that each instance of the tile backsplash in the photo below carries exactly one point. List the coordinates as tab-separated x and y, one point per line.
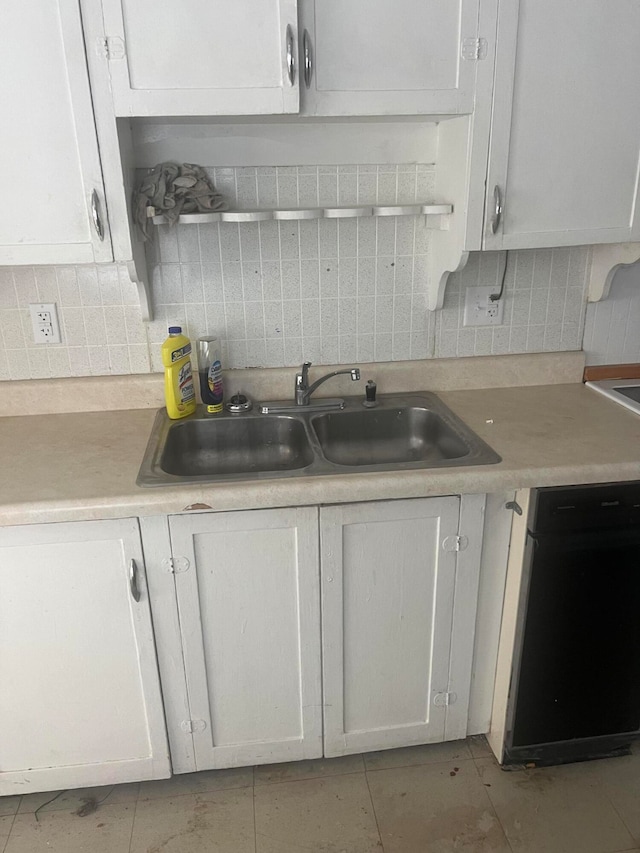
100	322
544	303
612	330
330	291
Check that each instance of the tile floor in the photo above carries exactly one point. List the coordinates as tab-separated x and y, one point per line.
429	799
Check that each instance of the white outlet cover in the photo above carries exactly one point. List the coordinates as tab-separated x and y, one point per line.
479	310
44	322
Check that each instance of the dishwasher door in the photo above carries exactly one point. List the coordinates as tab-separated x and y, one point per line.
575	691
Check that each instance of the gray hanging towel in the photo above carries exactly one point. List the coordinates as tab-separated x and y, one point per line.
172	189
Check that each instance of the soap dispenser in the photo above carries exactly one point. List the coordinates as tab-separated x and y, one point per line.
370	395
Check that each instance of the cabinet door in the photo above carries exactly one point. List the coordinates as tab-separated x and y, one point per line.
247	586
80	703
202	57
391	57
388	585
48	143
565	139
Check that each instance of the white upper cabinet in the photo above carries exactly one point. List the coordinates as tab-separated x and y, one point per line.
565	139
51	166
389	57
202	57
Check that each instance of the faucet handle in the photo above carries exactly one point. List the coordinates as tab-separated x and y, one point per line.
302	378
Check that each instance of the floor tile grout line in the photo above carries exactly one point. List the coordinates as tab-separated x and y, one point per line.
173	795
133	822
253	797
373	808
492	804
310	778
620	818
415	764
15	815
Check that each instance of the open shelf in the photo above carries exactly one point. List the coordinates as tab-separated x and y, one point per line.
301	213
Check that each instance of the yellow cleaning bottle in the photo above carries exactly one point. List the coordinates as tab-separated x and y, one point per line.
179	390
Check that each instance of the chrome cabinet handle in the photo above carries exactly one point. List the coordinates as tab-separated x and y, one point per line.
308	59
291	62
496	215
133	581
95	214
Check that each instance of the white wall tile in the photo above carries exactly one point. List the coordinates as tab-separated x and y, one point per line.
400	346
94	323
366	311
38	359
612	328
347	278
293	351
383	347
167	238
274	353
252	281
366	237
310	318
292	319
18	364
47	284
419	346
4	366
114	324
8	296
25	284
329	281
347	349
366	276
88	284
12	328
365	348
209	236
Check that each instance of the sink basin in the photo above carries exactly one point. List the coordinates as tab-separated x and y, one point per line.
214	447
403	432
387	436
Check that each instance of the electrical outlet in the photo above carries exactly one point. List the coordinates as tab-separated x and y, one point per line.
44	321
480	310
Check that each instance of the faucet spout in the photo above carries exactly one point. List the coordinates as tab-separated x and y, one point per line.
304	391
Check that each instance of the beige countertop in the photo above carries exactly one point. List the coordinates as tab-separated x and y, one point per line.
62	467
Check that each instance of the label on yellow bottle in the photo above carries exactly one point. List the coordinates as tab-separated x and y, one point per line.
177	354
186	388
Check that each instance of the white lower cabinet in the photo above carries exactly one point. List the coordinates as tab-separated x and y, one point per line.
237	615
80	700
250	673
248	603
388	604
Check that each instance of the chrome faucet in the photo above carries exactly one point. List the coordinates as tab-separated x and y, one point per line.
303	390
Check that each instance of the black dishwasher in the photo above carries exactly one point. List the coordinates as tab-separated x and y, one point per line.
575	689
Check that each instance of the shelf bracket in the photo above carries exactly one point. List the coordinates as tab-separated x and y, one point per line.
144	294
606	260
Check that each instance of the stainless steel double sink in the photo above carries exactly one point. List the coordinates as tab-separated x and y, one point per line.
402	432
